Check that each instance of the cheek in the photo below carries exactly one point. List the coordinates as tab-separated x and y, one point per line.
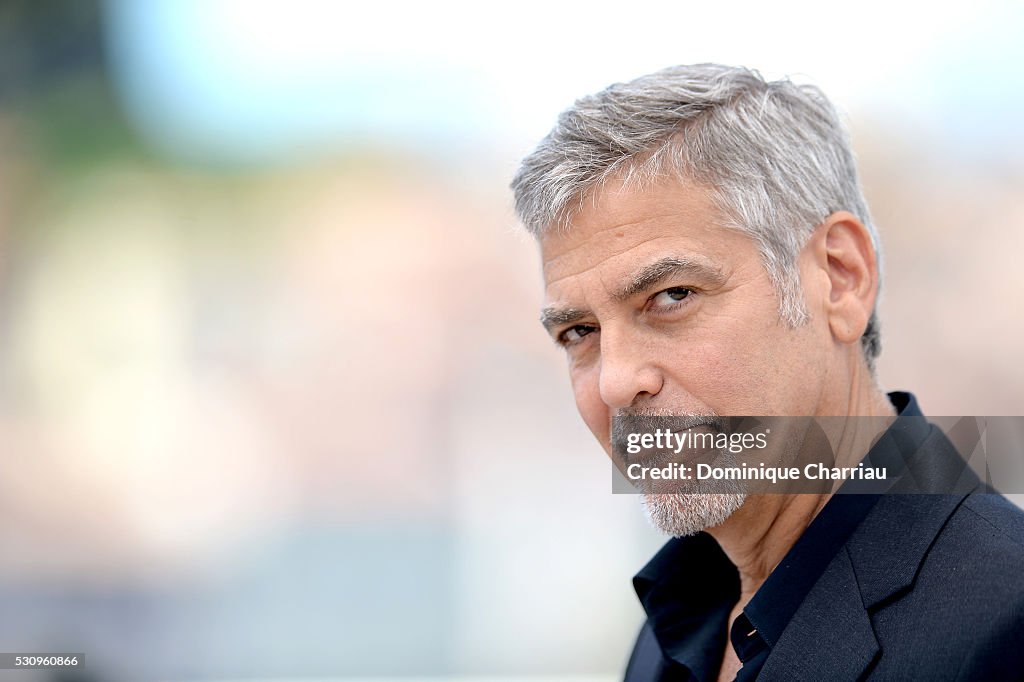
586	390
732	370
771	372
723	378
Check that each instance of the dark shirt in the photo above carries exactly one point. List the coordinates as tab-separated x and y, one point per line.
690	587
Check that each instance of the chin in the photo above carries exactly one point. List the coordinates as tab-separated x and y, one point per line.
681	514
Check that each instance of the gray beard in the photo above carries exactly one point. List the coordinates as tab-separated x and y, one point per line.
681	514
685	513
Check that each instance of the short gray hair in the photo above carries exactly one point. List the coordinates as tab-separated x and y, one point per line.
774	155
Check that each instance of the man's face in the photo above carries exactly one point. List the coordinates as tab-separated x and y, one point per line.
661	310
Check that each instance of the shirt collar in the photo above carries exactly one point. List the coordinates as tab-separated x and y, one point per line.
689	588
774	604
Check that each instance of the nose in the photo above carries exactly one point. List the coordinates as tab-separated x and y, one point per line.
627	371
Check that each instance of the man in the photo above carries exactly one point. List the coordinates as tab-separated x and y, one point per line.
707	251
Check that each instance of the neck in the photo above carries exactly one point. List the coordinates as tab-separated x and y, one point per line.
759	534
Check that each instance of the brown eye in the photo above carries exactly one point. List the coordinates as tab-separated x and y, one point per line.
575	333
668	297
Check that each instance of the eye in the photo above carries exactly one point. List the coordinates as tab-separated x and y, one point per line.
575	334
670	297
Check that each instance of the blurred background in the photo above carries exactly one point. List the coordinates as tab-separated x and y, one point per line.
274	403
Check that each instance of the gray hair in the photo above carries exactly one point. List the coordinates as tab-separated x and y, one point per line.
774	155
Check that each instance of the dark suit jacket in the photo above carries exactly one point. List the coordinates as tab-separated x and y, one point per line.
928	587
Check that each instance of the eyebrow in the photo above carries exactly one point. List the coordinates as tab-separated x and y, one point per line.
660	270
645	279
553	317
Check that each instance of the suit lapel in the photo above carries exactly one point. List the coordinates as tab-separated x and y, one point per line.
830	635
887	550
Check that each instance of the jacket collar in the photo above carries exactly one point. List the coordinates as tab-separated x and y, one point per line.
830	635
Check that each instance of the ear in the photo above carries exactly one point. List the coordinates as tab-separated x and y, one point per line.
844	252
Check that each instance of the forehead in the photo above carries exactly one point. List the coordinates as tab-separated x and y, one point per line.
621	228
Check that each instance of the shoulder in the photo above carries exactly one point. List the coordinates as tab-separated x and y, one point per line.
985	588
985	534
980	550
968	594
997	518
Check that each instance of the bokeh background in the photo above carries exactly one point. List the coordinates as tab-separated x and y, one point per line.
274	403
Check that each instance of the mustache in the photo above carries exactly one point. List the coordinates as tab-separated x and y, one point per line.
626	422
